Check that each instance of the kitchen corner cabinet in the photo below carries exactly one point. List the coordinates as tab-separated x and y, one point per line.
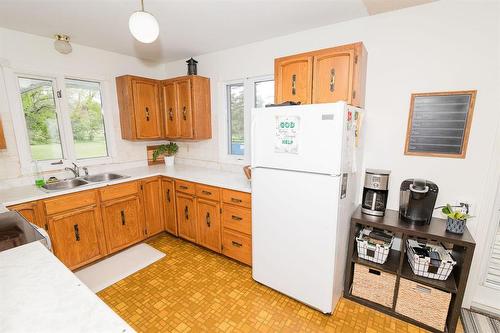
186	108
33	212
322	76
139	104
152	203
169	216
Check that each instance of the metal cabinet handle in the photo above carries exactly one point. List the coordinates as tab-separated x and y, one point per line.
170	114
237	218
122	213
183	187
207	219
206	192
294	83
147	113
184	113
235	200
236	244
77	232
186	212
332	79
168	195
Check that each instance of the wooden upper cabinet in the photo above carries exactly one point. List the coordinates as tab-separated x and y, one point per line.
139	103
3	143
186	108
333	75
170	220
151	197
336	74
293	79
76	236
169	104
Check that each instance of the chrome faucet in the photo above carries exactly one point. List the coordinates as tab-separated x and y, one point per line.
75	170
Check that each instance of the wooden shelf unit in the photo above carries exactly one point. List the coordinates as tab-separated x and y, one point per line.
397	263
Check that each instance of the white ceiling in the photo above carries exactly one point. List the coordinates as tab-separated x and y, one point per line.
187	27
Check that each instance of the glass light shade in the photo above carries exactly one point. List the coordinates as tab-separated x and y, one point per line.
144	27
62	46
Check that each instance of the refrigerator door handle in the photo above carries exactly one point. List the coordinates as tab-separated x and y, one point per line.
299	171
253	125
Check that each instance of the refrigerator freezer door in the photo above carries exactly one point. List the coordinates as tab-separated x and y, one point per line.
301	138
294	221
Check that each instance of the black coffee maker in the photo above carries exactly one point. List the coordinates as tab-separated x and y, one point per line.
417	198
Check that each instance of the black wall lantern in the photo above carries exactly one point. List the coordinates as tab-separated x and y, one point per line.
192	67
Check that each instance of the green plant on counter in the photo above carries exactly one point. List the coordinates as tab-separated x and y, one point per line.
455	214
169	149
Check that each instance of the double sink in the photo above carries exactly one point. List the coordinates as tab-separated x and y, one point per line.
68	184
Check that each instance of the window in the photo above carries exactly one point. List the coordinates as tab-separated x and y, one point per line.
61	124
87	122
241	96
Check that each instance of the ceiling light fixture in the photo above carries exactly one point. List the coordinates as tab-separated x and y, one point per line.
62	45
143	26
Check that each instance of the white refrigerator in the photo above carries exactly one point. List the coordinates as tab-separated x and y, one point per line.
303	187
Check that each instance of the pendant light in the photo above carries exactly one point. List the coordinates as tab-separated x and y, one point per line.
143	26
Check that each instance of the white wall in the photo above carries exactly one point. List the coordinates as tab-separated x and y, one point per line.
446	45
21	52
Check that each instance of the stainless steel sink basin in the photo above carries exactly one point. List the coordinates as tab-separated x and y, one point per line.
103	177
64	184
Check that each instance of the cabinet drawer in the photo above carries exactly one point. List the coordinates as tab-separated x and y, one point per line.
118	191
207	192
70	201
237	246
237	218
185	187
237	198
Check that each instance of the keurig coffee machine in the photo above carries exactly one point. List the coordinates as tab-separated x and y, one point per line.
416	200
375	192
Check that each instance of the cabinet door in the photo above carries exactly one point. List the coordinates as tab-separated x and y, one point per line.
333	75
76	237
293	79
153	216
209	230
32	212
183	91
122	222
186	215
146	110
170	110
169	206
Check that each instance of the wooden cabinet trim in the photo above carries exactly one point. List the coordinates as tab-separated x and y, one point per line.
71	201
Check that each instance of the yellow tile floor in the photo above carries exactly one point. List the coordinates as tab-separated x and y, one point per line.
196	290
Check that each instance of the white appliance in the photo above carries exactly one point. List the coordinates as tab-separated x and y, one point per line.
302	199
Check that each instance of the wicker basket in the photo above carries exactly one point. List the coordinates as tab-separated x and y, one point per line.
373	285
424	304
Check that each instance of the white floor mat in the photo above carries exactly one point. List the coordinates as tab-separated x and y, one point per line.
117	267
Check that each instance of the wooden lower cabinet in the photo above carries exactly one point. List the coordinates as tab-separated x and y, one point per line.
186	216
77	236
122	222
170	220
237	246
209	228
33	212
152	205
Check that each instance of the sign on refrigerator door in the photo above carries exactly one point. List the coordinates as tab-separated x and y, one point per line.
287	134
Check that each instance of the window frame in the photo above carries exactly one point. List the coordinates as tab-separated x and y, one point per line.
248	104
11	77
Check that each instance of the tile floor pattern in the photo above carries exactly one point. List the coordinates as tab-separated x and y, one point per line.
196	290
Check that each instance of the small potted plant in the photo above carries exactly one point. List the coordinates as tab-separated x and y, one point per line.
456	219
168	151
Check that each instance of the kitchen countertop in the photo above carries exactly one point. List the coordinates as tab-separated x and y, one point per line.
230	180
39	294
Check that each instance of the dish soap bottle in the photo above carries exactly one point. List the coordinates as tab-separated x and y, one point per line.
39	181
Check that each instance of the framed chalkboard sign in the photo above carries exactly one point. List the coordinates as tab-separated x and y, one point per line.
439	123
